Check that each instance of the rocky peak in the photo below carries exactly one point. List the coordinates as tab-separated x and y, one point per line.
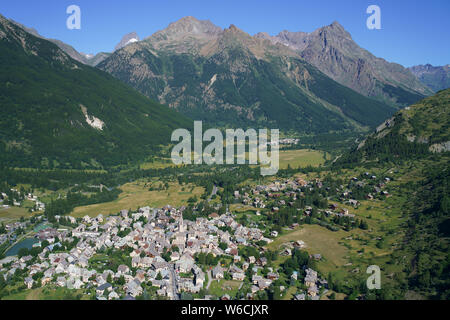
335	31
237	33
192	26
263	35
233	28
126	40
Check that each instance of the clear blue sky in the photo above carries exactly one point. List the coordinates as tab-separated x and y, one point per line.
413	32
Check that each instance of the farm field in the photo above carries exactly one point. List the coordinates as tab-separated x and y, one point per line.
302	158
136	194
13	213
160	163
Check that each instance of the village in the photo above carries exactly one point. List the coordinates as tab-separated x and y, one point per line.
158	251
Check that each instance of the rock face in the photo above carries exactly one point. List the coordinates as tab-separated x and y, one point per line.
227	77
332	50
436	78
126	40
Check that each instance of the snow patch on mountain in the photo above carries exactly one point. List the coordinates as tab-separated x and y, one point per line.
127	39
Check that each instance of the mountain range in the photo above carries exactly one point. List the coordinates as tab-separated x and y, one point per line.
52	98
333	51
58	112
436	78
330	49
227	77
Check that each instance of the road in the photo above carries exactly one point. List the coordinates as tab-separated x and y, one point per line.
213	193
210	279
174	283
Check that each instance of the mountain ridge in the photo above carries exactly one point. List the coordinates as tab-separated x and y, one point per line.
333	51
435	77
228	77
416	131
330	48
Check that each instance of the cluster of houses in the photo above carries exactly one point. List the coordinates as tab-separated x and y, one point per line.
277	192
377	188
147	234
38	205
259	196
10	234
285	141
150	234
313	284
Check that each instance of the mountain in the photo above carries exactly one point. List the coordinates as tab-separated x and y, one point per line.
229	78
333	51
414	132
93	61
436	78
57	112
89	59
126	40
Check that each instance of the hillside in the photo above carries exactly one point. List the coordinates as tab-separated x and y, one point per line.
416	131
413	149
229	78
333	51
57	112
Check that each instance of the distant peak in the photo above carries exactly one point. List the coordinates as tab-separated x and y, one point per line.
127	39
191	25
336	24
337	29
189	18
262	35
87	55
234	29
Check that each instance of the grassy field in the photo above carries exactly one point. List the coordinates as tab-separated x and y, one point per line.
222	287
47	294
137	194
158	164
318	240
289	293
13	213
302	158
239	208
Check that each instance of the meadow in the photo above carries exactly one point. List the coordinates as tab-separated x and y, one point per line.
302	158
137	194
